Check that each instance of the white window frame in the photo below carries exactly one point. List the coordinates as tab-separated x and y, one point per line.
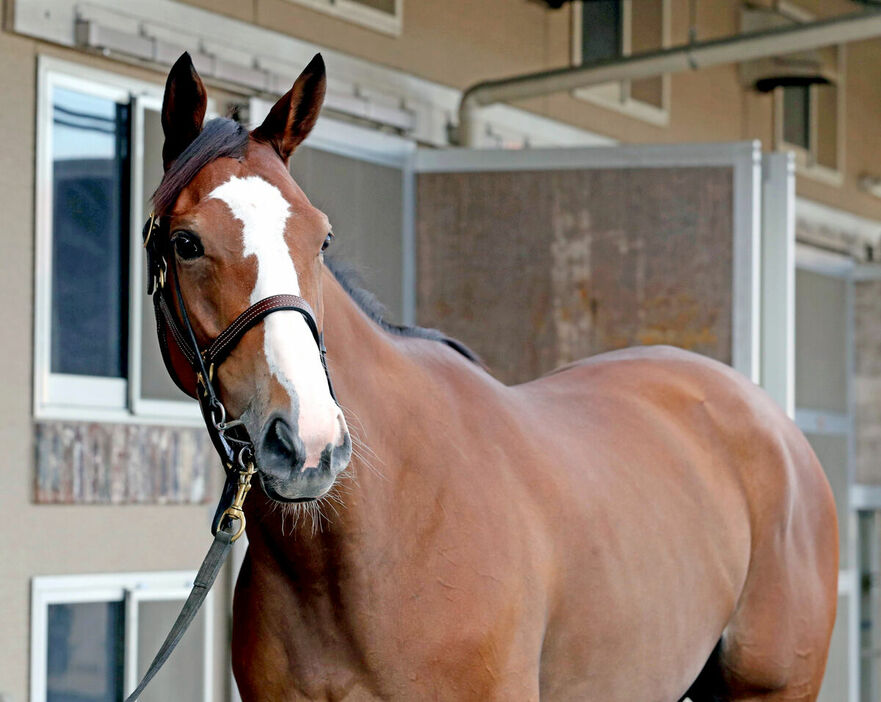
806	159
128	588
81	397
616	96
358	13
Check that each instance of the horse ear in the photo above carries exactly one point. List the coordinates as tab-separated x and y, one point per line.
291	119
183	108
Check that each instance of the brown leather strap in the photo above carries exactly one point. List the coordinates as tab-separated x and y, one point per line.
179	337
220	348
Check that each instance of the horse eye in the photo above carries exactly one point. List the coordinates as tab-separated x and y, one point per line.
187	245
327	241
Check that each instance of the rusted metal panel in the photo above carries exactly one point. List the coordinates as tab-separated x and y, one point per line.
99	463
867	380
536	269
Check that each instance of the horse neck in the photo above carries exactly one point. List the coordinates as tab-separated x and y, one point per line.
382	381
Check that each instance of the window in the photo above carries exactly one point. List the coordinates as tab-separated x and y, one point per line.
94	636
608	29
807	123
382	15
807	117
98	161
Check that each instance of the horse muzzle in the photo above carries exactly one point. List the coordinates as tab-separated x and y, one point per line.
281	463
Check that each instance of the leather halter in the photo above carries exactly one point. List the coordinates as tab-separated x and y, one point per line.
194	370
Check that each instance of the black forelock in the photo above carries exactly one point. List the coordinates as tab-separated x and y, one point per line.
220	138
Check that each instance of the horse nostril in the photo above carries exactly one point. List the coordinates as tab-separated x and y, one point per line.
282	433
280	445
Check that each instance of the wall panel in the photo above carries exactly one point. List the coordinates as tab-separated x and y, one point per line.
537	269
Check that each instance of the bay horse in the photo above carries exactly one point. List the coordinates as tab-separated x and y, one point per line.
639	526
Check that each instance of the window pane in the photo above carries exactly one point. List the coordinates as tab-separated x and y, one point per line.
156	384
181	677
600	30
85	661
89	234
820	342
387	6
796	116
827	125
364	202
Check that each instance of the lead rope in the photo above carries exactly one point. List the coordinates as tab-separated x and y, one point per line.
205	578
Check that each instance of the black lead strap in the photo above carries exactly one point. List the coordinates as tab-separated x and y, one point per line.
205	578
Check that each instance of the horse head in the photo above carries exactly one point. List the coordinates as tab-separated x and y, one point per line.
240	230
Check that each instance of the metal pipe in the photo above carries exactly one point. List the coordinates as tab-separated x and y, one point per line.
741	47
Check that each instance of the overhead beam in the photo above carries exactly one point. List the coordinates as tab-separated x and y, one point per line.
689	57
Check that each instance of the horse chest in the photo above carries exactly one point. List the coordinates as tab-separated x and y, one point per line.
450	633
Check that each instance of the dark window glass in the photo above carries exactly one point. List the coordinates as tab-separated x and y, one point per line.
387	6
85	662
797	115
89	234
600	30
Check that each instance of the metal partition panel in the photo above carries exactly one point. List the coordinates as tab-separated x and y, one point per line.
539	257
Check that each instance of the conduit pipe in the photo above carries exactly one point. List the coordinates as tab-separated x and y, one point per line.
693	56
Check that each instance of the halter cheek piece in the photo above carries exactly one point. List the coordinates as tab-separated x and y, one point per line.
194	371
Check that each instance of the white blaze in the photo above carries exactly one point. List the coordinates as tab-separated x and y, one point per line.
290	348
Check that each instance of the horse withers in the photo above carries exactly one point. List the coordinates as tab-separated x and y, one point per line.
637	526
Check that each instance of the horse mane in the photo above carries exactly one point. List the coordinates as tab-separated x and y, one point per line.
351	281
220	138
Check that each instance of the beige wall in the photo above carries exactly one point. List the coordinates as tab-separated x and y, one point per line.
55	540
458	42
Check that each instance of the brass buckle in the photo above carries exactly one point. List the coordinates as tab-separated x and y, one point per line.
163	269
204	355
150	229
235	511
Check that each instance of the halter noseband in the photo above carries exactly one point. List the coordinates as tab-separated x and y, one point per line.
194	370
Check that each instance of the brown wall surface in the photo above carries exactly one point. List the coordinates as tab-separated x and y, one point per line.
538	269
